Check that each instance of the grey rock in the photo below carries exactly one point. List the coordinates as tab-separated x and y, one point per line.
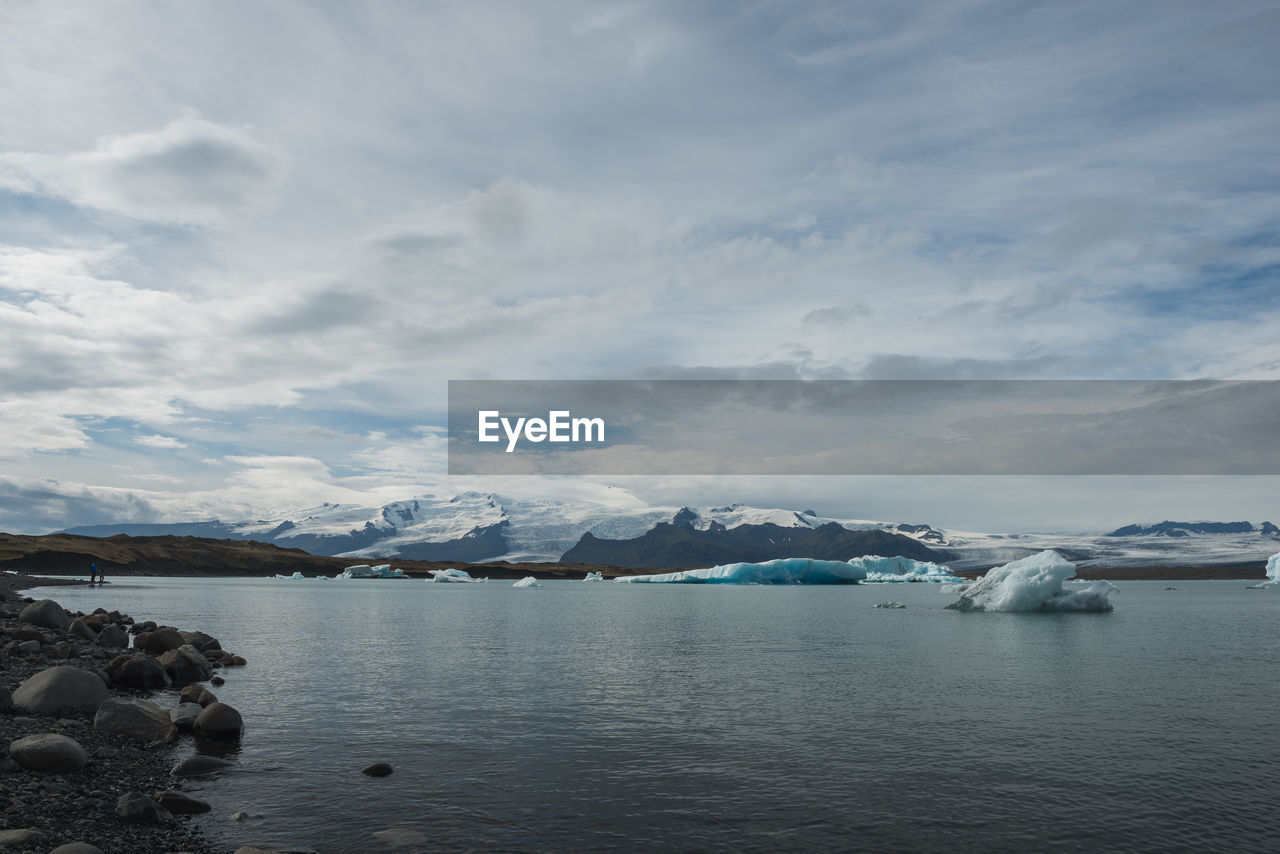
50	692
198	766
46	613
219	721
79	628
184	715
196	694
141	671
15	839
377	769
158	641
180	804
137	807
49	751
30	647
138	720
77	848
186	664
201	641
113	637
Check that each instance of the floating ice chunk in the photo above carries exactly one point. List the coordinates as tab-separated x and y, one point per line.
527	581
1273	568
897	569
789	570
385	571
890	605
360	570
1034	584
454	575
594	576
294	577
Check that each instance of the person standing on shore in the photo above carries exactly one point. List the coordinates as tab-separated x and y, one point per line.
93	571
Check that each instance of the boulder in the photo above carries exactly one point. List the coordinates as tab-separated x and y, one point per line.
49	751
135	806
31	647
180	804
186	664
198	766
158	641
113	637
140	671
77	848
201	641
184	715
196	694
82	630
46	613
13	840
51	692
218	720
139	720
377	769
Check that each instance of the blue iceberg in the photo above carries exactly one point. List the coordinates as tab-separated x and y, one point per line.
789	570
899	569
1034	583
1273	568
457	576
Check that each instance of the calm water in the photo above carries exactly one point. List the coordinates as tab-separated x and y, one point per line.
586	717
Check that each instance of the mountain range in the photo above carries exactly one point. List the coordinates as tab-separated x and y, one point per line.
478	527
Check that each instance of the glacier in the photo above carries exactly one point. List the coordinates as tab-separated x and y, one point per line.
790	570
1034	583
899	569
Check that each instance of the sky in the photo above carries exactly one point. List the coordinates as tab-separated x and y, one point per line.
245	246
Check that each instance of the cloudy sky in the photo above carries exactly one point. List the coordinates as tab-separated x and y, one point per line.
244	246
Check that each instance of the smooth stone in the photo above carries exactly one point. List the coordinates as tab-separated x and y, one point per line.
186	664
46	613
77	848
200	640
135	806
196	694
139	720
49	751
197	766
184	715
180	804
112	637
377	769
141	671
79	628
158	641
220	721
51	692
30	647
19	838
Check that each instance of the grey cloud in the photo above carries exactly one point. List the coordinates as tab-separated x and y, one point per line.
44	506
838	315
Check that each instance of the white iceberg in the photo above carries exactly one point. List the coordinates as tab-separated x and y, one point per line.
594	576
790	570
890	605
1034	584
360	570
1273	569
385	571
899	569
453	575
294	577
527	581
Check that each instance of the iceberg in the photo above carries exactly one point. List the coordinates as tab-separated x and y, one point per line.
527	581
789	570
890	605
899	569
385	571
296	576
360	570
1034	584
594	576
1273	569
454	575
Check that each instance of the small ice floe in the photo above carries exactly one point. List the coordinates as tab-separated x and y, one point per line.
295	577
454	575
594	576
1034	583
890	605
527	581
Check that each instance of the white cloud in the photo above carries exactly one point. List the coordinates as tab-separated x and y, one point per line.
190	172
158	441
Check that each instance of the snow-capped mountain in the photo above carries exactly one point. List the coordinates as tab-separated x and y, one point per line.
475	527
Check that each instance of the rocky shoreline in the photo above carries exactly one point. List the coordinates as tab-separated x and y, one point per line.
89	762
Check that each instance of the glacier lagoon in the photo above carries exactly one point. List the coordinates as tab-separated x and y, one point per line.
585	717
